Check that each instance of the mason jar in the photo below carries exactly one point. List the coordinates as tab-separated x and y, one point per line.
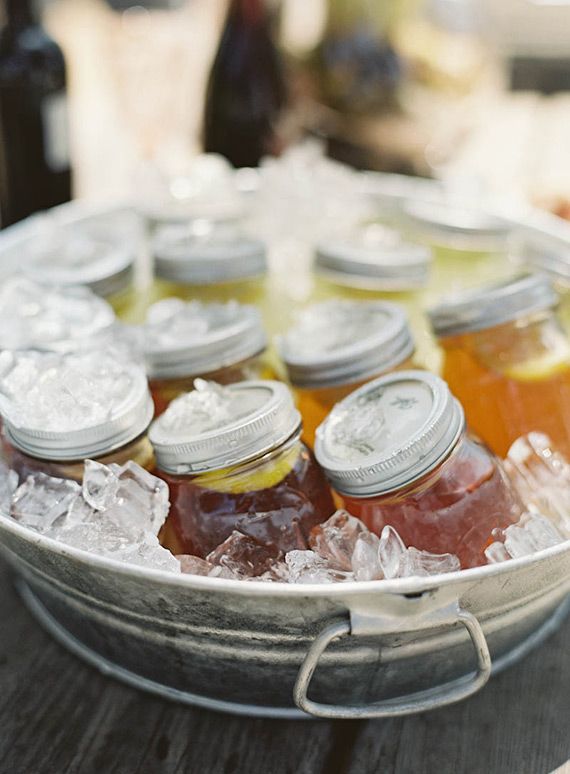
59	410
398	453
507	359
338	345
207	261
234	461
181	341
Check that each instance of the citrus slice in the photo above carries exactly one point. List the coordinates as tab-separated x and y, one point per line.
267	475
546	366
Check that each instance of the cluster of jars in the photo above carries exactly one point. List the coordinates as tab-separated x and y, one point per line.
195	394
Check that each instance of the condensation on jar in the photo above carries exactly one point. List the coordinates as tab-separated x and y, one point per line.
507	359
374	263
398	453
181	341
233	460
470	246
208	261
338	345
98	252
60	410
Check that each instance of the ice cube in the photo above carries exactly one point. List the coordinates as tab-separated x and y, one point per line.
391	552
541	474
243	556
141	500
335	539
496	552
41	500
365	558
148	553
533	532
423	563
8	485
309	567
193	565
280	527
100	485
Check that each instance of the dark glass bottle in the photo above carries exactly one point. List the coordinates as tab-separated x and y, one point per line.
34	158
246	90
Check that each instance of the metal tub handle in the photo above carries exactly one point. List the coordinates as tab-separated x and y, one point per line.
420	701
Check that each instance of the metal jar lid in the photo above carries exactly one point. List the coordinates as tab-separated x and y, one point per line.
110	404
341	342
217	256
104	266
374	259
52	319
389	433
444	222
181	339
547	254
215	427
490	305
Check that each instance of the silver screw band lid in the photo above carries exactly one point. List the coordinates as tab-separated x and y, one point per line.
491	305
389	433
341	342
445	222
215	427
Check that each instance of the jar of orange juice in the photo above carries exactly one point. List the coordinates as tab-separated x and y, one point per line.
338	345
507	359
398	453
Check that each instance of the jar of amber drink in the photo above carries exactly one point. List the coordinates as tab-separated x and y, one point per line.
208	261
397	452
233	459
182	340
507	359
337	346
59	410
375	263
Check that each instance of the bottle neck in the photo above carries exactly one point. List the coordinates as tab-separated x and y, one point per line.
18	13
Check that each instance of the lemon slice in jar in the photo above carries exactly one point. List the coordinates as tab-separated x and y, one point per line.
538	369
264	476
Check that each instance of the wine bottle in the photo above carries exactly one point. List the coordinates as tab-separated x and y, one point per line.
246	90
34	151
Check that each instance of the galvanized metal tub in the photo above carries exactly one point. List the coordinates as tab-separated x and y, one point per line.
371	649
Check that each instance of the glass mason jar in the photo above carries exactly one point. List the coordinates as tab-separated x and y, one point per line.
397	452
52	319
99	255
233	459
373	263
469	246
550	255
181	341
60	410
208	261
335	347
507	359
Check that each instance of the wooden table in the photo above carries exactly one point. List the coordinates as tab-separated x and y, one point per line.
59	716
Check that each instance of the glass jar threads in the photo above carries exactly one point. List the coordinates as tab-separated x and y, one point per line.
398	453
60	409
233	459
182	340
338	345
507	359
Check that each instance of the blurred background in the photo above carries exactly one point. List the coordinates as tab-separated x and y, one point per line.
474	92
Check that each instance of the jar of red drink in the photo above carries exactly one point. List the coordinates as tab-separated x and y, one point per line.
233	459
181	341
338	345
58	410
398	453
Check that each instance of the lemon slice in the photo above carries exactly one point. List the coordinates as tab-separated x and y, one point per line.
538	369
267	475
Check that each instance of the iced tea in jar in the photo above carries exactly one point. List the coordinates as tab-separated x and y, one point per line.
208	261
234	461
58	410
338	345
507	359
375	263
183	340
398	453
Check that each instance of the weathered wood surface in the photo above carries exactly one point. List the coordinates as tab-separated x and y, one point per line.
58	716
